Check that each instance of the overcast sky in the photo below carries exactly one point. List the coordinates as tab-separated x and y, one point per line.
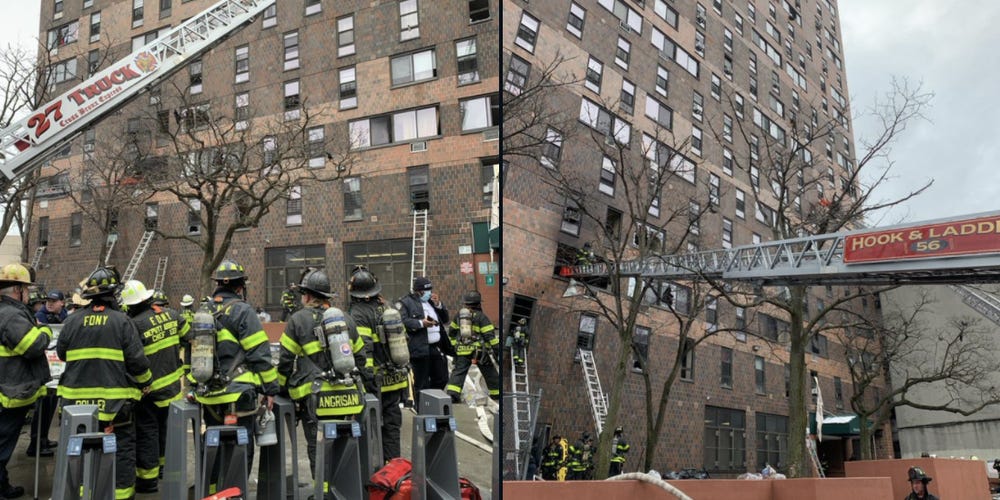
951	47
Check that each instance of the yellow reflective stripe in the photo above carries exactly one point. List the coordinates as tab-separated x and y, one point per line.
152	349
98	392
106	417
282	379
225	397
166	402
254	340
365	331
394	387
300	391
369	362
357	345
454	325
269	375
6	353
167	379
453	388
30	338
144	377
494	392
290	344
20	402
147	473
186	328
482	329
312	348
95	353
495	341
249	378
124	493
225	335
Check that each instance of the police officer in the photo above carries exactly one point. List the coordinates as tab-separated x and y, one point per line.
423	314
24	369
306	368
918	485
389	380
104	362
479	345
288	302
243	371
619	448
161	330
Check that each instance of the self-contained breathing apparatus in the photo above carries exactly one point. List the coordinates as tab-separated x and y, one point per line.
335	339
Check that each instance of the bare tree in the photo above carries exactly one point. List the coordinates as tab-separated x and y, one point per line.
530	105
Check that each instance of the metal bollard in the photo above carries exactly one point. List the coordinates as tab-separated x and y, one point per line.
91	466
228	445
274	480
175	469
75	419
370	445
435	461
435	402
338	464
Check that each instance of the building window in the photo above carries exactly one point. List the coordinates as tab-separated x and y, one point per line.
727	233
409	22
316	146
527	32
270	17
818	345
517	75
415	67
137	13
420	191
95	26
659	113
147	38
489	170
165	8
285	265
726	368
613	223
43	231
714	189
552	149
571	219
352	198
627	15
759	375
291	41
270	147
345	36
608	173
600	119
694	217
623	52
57	9
687	361
242	111
699	43
595	71
725	439
577	15
741	204
243	64
194	217
313	7
662	81
348	88
195	117
697	106
772	440
640	348
195	77
586	333
61	72
727	128
696	141
838	392
390	260
64	35
293	207
627	101
75	229
666	12
480	112
152	216
479	10
396	127
727	161
93	61
293	101
468	62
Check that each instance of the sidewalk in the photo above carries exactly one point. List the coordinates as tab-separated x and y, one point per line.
473	462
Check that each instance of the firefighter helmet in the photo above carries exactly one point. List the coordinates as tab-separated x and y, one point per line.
103	281
35	296
472	298
316	282
363	283
187	300
916	473
15	273
134	292
229	271
160	298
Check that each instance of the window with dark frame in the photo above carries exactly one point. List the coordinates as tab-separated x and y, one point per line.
517	75
640	348
285	265
726	368
409	20
137	13
348	90
687	361
352	198
552	149
414	67
725	440
759	375
195	77
76	229
43	231
838	392
575	23
270	17
242	64
291	44
95	26
479	10
467	61
586	334
345	36
772	441
313	7
194	217
419	180
293	207
527	32
488	169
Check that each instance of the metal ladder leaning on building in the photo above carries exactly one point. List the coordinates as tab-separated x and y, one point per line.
161	273
140	252
37	258
418	267
598	403
522	408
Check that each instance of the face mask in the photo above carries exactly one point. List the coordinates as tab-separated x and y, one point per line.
426	296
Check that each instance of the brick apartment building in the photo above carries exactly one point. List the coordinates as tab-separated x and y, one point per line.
728	410
418	77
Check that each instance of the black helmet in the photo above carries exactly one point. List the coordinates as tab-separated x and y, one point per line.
585	437
229	271
160	298
363	283
103	281
619	430
472	298
316	282
916	473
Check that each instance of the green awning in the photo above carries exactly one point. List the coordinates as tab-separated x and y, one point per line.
837	425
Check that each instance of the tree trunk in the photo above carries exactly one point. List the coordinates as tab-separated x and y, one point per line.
798	415
603	459
866	439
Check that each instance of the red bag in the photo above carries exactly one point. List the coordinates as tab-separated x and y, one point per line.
392	481
469	490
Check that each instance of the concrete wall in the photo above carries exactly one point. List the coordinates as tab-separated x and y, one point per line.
965	479
959	439
792	489
10	249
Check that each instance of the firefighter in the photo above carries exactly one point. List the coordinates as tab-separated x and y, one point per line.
104	363
24	369
475	342
552	459
619	448
423	314
160	298
288	302
307	368
187	308
388	379
161	330
563	460
518	341
580	458
244	377
918	480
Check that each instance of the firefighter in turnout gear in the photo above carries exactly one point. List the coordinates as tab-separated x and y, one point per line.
619	448
24	369
242	359
476	343
106	367
581	458
288	305
388	379
518	341
162	330
187	308
552	459
307	368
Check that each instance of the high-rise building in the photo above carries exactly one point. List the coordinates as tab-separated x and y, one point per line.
406	90
658	126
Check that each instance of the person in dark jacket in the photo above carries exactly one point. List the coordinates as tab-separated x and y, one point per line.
918	485
106	367
619	448
54	310
161	330
305	361
423	316
288	304
24	369
552	459
479	345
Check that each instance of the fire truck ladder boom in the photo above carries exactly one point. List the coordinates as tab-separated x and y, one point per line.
808	260
26	142
982	302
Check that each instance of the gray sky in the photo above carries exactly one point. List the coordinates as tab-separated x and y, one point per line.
951	47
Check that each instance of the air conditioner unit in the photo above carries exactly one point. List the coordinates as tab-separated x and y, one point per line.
700	19
814	391
419	146
700	47
625	27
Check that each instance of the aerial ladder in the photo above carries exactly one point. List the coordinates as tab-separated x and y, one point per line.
983	302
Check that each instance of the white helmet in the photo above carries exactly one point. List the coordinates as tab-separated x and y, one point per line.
187	300
134	292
